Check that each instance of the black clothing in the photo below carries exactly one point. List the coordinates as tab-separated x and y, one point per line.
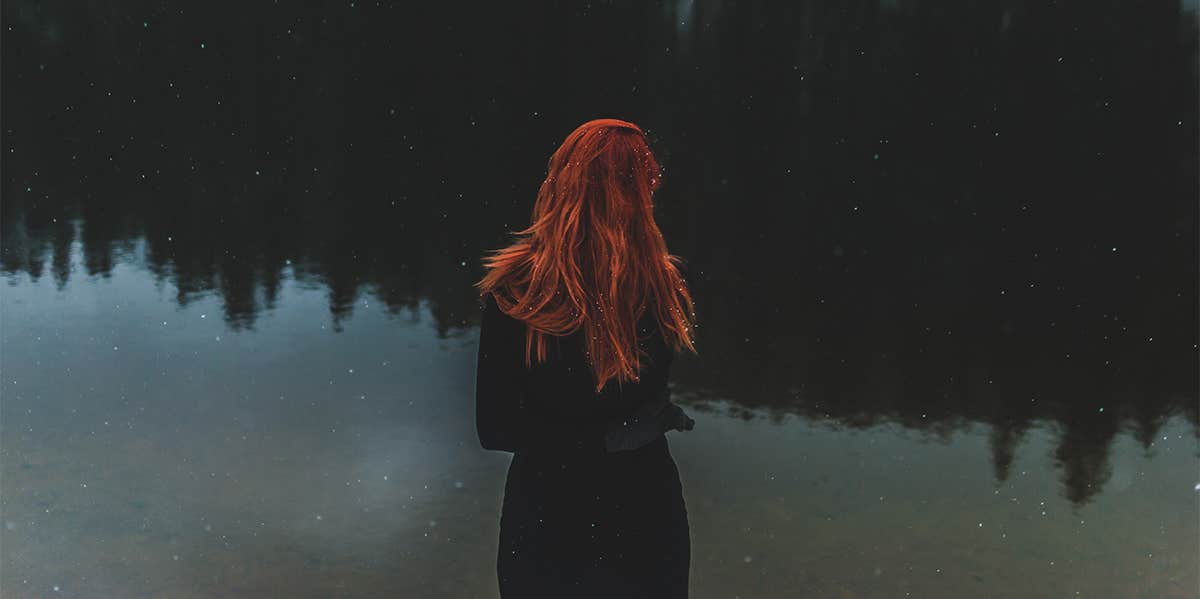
647	424
593	505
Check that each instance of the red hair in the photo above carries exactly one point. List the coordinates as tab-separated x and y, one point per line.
593	257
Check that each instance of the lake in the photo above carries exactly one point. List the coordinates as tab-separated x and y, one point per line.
945	274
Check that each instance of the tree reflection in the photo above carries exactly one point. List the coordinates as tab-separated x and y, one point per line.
929	214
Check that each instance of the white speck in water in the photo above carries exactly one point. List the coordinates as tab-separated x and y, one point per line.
1198	487
458	484
318	516
747	559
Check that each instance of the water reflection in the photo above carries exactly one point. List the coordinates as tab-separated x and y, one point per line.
151	449
968	224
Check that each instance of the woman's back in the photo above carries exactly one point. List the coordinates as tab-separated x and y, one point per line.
580	519
553	406
581	318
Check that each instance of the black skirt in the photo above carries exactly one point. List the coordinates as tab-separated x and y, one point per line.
611	525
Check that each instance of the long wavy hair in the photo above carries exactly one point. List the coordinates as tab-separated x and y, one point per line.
593	257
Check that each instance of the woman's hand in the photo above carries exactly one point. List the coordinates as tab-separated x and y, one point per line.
673	418
649	423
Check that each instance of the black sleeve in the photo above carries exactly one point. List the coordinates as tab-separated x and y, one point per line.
501	389
507	415
645	425
654	414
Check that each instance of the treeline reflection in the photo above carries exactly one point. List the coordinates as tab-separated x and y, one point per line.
920	213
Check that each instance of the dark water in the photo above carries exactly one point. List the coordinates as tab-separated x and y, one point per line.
947	258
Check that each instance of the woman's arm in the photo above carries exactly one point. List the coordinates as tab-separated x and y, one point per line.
647	424
501	390
507	415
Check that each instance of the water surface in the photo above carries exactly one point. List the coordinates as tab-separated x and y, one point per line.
946	282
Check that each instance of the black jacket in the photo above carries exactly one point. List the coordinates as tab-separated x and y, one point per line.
554	405
593	504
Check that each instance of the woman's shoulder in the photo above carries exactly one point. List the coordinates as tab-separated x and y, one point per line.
488	302
493	316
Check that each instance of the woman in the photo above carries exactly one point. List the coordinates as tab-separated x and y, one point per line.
581	318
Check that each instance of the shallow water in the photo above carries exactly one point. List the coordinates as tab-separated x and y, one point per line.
943	255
